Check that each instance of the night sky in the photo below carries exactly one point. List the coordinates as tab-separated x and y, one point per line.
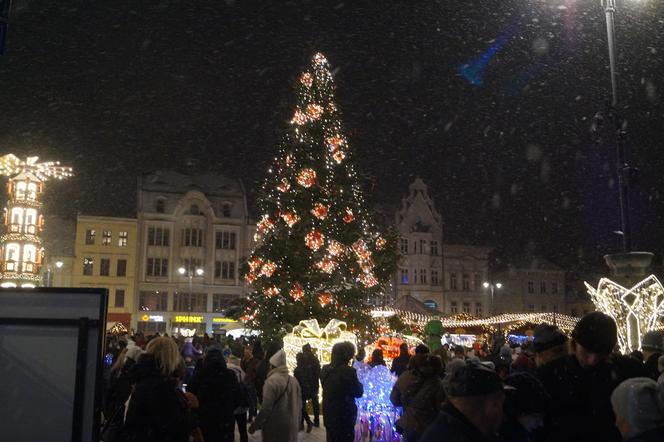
119	88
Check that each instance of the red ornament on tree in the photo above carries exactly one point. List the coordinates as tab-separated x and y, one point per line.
299	118
320	211
326	265
348	217
271	291
314	240
290	218
306	177
283	186
306	79
268	269
339	156
335	248
296	292
314	111
324	299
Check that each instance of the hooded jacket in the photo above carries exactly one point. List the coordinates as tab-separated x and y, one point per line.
217	390
281	411
421	397
340	388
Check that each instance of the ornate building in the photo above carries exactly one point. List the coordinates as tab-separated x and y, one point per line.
193	234
21	245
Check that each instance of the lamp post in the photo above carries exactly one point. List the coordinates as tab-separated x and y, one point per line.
49	273
623	169
198	271
492	287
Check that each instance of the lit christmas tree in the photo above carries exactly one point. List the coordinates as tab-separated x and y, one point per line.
318	254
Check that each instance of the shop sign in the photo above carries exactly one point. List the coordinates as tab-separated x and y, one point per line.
220	320
188	319
152	318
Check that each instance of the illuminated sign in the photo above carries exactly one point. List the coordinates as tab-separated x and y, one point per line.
155	318
218	320
189	319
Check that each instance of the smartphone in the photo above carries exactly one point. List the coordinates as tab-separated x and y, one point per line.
108	359
184	388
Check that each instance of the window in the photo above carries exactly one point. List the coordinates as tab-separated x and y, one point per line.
194	210
220	302
87	266
542	286
404	246
227	270
423	276
121	267
422	246
160	205
152	300
478	309
404	276
225	240
543	308
192	237
531	287
158	236
192	264
157	267
104	267
478	281
119	297
106	236
434	248
20	190
453	307
466	282
226	210
192	302
453	281
466	307
122	239
90	236
32	191
531	308
433	305
434	277
554	287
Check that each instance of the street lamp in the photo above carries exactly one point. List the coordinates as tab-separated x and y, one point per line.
49	273
190	274
496	286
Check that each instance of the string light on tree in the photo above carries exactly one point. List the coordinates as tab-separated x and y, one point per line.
306	178
320	211
268	269
314	240
296	292
290	218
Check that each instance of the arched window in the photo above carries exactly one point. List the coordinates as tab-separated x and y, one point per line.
20	190
11	252
29	253
194	210
431	304
17	215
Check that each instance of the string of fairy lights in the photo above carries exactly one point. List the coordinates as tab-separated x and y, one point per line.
312	194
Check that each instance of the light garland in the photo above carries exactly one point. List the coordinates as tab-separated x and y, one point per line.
636	310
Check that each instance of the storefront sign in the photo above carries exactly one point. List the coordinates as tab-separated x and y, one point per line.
188	319
219	320
153	318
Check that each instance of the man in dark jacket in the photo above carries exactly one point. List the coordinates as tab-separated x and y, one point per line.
311	377
474	410
580	385
653	347
340	388
218	393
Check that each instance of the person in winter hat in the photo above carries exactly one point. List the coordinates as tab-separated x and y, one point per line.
281	410
474	409
653	347
580	385
639	407
549	344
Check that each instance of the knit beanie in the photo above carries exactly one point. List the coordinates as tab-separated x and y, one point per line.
596	332
546	337
640	402
278	359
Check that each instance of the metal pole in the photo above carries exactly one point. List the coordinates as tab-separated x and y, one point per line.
622	168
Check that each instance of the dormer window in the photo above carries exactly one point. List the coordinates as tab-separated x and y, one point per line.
226	210
160	205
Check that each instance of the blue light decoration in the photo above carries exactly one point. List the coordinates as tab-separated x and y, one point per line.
517	339
376	416
473	71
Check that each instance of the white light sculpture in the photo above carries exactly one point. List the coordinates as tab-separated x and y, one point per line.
636	310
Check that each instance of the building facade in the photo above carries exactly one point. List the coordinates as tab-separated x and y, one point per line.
531	284
105	257
466	270
420	270
194	232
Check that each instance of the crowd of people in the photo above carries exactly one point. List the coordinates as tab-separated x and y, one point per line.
554	388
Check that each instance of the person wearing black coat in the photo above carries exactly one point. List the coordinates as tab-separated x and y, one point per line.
218	393
158	411
309	383
340	388
400	364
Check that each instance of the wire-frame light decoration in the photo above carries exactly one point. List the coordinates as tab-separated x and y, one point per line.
11	165
636	310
